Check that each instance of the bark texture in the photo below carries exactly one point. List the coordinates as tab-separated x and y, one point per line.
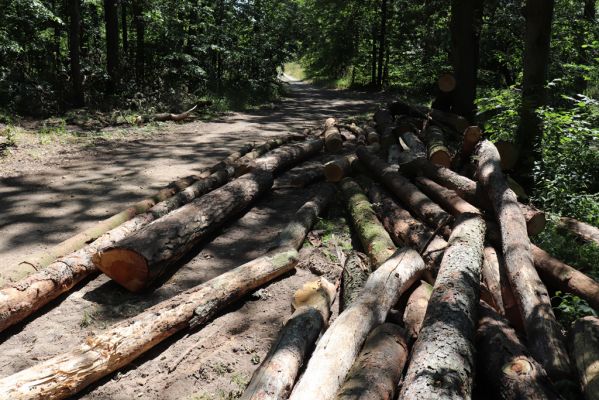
378	368
472	136
437	151
585	351
333	141
339	346
584	231
355	274
339	168
541	328
415	311
442	364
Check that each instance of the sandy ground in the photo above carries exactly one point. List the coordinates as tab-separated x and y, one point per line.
48	199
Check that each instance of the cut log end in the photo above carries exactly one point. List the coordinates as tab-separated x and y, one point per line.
126	267
446	83
441	157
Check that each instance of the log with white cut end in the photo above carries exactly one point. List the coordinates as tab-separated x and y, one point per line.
442	363
373	236
378	368
505	368
356	270
584	344
415	145
437	150
339	168
333	141
586	232
300	176
274	378
415	311
101	354
546	344
339	346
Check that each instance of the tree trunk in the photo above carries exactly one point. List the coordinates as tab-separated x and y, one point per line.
332	139
373	236
505	368
138	260
394	155
274	378
450	122
405	230
124	28
246	163
415	311
373	56
384	125
371	135
339	345
408	193
377	370
465	26
40	260
111	18
359	132
448	199
285	157
356	270
382	45
438	152
137	9
584	231
415	145
442	364
531	295
584	342
472	136
77	97
301	176
491	277
337	169
538	15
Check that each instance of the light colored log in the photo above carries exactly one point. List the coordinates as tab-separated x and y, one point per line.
586	232
585	352
416	309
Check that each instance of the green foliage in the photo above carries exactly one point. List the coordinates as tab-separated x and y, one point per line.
570	307
10	134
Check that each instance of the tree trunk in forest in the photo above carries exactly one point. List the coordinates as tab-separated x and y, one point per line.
77	96
111	19
437	151
584	342
378	368
584	231
531	295
442	364
339	345
415	311
384	125
373	236
356	270
401	187
276	375
538	15
405	230
138	260
359	132
124	28
300	176
451	123
373	56
504	365
465	26
137	8
382	45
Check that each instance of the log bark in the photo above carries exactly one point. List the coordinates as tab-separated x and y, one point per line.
448	199
492	279
378	368
337	169
371	135
442	364
472	136
42	259
394	154
333	141
405	230
356	270
584	343
414	144
357	131
274	378
437	151
301	176
505	368
401	187
415	311
337	349
136	261
373	236
21	299
586	232
531	295
447	120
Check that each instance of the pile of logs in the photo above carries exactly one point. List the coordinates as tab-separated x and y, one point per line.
451	299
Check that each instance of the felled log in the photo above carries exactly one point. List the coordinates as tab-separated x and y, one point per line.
339	168
371	135
505	369
405	230
508	153
394	154
300	176
161	117
416	309
446	198
442	363
401	187
373	236
492	278
384	126
339	345
274	378
378	368
42	259
534	302
333	141
414	144
584	343
21	299
356	270
437	151
446	82
99	355
586	232
449	121
472	136
357	131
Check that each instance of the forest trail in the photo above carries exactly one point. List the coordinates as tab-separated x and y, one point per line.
49	197
43	207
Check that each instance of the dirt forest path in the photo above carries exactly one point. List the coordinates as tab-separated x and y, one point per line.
51	202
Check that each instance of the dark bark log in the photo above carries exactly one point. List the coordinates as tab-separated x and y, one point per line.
378	368
382	44
437	151
584	231
337	169
407	192
451	123
415	145
373	236
442	364
448	199
506	370
355	273
415	311
111	18
140	30
338	347
371	135
274	378
584	342
531	295
394	154
77	97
